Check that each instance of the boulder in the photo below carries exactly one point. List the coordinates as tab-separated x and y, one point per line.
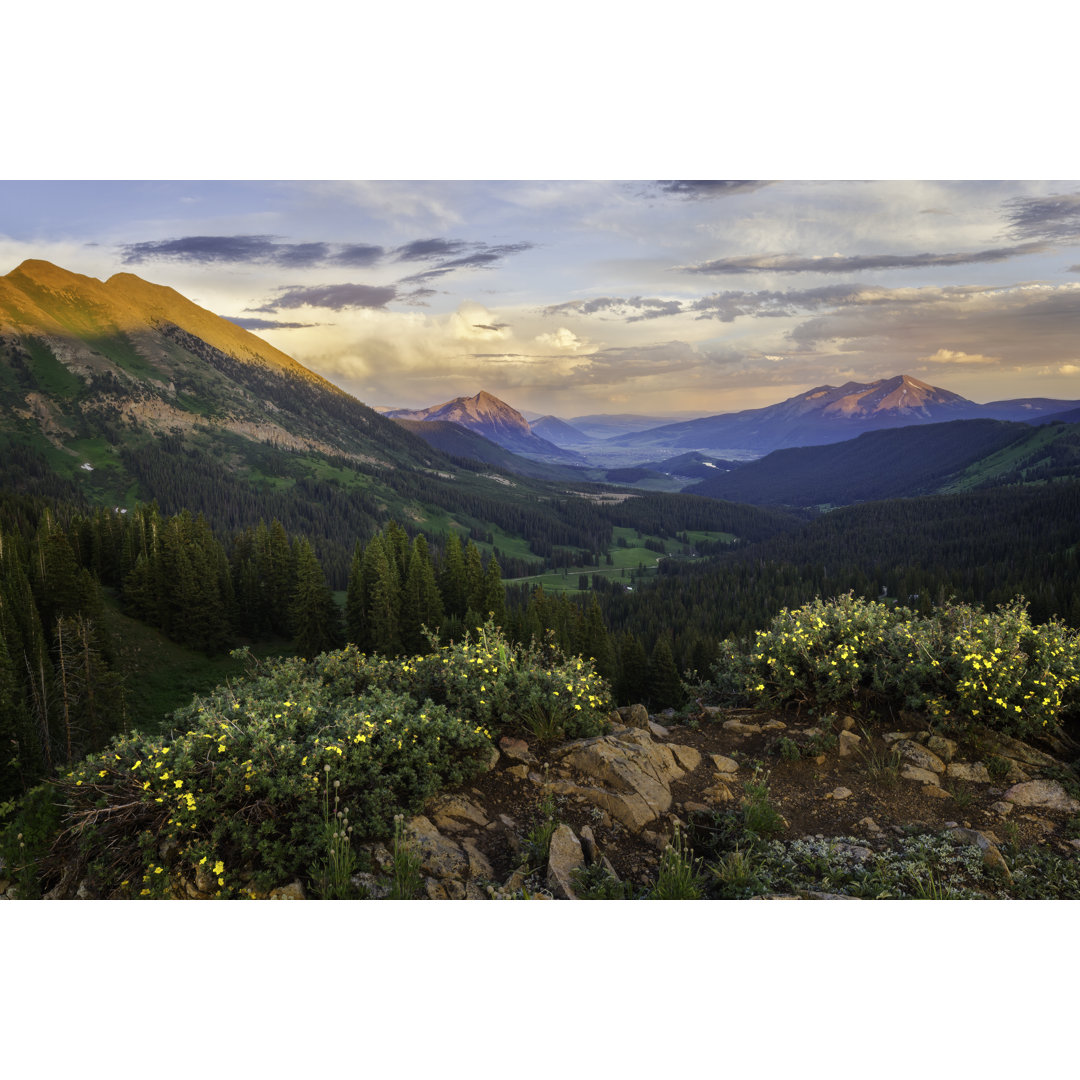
1045	794
687	757
848	743
479	867
445	809
293	891
635	716
944	748
564	856
439	856
920	756
839	793
737	727
517	750
1005	746
726	766
972	772
631	774
919	776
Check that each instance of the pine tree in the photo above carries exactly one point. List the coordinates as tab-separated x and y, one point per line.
313	614
452	579
493	602
664	685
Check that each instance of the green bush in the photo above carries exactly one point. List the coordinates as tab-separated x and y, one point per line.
238	794
961	665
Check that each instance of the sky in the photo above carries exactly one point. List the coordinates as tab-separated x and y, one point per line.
578	297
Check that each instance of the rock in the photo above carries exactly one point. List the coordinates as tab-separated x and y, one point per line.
719	793
992	858
726	766
839	793
711	711
658	730
687	757
771	725
371	885
472	892
479	867
589	844
919	776
819	760
920	756
455	890
847	723
4	883
636	774
869	824
1002	808
565	856
1015	775
492	759
293	891
439	856
739	728
635	716
944	748
933	792
848	743
692	807
435	889
205	882
973	772
895	736
1046	794
519	772
1075	843
444	809
1005	746
856	852
517	750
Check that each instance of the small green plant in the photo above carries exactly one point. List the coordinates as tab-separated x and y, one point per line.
736	871
537	844
405	882
680	876
997	767
924	886
596	883
788	749
962	796
882	763
760	818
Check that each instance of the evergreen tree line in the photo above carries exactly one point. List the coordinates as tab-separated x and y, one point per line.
59	698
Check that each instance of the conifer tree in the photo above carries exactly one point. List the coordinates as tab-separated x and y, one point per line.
313	614
493	602
452	578
664	685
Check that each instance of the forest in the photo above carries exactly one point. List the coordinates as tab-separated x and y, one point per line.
62	567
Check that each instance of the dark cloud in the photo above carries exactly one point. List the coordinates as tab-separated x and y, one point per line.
417	297
336	297
708	189
491	326
252	249
481	257
846	264
358	255
1074	269
270	324
1049	217
434	248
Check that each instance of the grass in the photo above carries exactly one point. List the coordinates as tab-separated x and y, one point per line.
882	763
680	876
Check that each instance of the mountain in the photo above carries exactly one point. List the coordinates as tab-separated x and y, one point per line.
693	466
824	414
495	420
958	455
459	442
558	431
120	391
609	425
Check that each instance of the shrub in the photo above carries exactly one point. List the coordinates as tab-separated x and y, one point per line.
961	665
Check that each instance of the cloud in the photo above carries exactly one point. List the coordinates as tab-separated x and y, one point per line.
496	326
1051	217
358	255
211	249
563	339
420	250
845	264
481	257
708	189
473	322
1069	369
270	324
336	297
951	356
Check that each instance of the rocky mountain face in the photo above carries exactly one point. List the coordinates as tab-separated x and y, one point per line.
830	414
486	415
559	432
